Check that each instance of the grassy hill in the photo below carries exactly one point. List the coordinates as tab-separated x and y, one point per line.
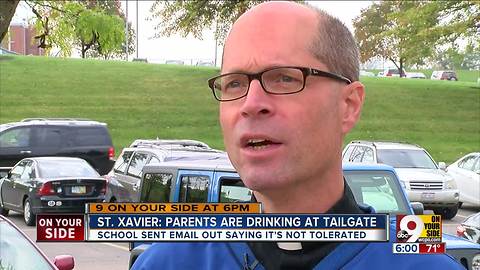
139	100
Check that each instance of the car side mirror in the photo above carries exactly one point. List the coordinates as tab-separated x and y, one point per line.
442	166
417	208
64	262
9	175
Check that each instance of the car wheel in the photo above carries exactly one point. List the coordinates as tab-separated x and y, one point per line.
28	215
447	212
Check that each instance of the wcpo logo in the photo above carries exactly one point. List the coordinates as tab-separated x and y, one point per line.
419	229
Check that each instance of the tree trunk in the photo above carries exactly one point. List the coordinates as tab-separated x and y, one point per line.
402	74
7	10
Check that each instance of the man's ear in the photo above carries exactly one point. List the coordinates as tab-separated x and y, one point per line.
352	99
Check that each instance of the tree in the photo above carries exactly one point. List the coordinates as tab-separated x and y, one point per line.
192	17
410	32
85	24
7	10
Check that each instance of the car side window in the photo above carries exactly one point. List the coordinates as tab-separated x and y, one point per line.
122	162
348	152
156	187
154	159
138	161
358	154
233	190
18	137
17	171
368	155
48	137
467	163
194	188
476	167
27	172
88	136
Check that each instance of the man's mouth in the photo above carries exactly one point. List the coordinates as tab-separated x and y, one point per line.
259	144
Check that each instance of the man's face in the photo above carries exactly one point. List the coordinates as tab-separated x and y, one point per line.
279	141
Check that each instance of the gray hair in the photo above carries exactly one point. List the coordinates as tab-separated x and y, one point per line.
335	46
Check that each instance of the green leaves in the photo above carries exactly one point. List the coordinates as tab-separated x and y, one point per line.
95	26
192	17
413	31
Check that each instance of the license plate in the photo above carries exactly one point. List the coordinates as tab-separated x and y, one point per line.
79	190
428	196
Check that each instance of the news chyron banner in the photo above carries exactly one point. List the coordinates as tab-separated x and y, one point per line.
419	234
127	222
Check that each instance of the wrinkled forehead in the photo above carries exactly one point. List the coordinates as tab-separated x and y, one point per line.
276	30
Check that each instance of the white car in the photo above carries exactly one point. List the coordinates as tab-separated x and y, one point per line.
366	73
422	178
466	172
416	75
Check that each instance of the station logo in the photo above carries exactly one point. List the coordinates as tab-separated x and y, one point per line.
419	229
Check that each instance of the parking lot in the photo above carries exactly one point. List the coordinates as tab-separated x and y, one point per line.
93	256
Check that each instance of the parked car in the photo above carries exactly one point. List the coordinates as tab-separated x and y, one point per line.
50	185
216	181
19	252
423	180
124	179
35	137
174	62
444	75
415	75
203	63
466	172
393	72
366	73
470	228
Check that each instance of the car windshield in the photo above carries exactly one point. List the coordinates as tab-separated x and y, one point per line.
17	252
377	189
401	158
65	168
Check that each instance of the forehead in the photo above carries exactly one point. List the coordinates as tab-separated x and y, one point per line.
275	35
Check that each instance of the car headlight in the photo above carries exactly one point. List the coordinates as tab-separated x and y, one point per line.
476	262
450	184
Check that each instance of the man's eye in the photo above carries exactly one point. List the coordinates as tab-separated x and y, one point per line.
282	78
232	84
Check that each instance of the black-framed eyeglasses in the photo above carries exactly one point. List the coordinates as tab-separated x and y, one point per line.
275	81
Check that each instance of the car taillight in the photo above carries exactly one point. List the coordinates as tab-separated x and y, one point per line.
46	189
460	230
111	153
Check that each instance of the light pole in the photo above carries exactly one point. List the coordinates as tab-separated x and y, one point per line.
136	47
126	30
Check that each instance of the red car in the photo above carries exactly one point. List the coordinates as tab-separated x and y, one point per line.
19	252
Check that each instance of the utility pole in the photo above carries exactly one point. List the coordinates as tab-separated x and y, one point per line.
126	30
137	31
216	43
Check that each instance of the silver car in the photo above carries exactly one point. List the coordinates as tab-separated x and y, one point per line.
422	178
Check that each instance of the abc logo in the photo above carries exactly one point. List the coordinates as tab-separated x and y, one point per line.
410	228
402	235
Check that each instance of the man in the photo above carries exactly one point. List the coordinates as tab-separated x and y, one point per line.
289	93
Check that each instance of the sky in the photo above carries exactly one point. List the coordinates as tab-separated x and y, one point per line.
191	50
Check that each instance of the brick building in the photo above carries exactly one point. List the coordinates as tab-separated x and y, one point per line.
21	39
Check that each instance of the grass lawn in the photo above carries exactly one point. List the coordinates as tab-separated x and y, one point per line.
139	100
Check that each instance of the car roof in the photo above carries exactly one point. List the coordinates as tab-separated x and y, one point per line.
55	159
52	122
219	162
389	145
352	166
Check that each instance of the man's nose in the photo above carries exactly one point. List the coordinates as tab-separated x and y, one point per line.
257	102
